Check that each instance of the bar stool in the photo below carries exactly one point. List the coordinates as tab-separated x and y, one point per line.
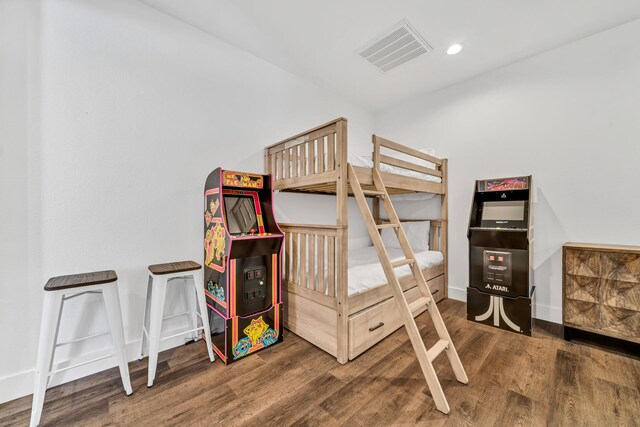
159	276
57	291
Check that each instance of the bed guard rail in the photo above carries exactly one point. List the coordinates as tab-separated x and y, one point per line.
310	261
382	146
310	157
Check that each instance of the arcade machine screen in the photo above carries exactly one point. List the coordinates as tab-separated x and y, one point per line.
241	214
512	210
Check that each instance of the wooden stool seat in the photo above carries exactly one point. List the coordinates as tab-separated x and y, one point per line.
79	280
174	267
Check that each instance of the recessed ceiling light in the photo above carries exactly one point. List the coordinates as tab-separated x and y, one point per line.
454	49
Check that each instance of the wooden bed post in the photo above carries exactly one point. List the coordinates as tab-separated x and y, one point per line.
444	229
342	200
267	163
376	165
376	210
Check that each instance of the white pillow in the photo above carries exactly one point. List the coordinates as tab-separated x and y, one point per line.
390	239
417	233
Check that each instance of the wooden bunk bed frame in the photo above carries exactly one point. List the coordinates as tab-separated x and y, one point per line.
318	307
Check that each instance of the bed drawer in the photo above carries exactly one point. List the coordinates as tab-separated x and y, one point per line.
436	286
370	326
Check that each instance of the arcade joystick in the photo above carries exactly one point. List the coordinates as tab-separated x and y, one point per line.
252	231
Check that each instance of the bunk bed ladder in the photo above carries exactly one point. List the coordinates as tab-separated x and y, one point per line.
425	357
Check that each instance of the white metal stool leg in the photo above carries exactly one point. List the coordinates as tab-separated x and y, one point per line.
145	319
114	314
155	324
190	299
48	330
198	281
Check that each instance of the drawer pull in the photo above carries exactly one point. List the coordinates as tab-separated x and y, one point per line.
379	325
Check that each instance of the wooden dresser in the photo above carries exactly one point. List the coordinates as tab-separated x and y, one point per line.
601	289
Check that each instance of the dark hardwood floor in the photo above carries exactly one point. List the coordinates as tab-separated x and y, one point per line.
513	380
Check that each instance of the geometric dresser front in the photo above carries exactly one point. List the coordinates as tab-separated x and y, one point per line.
601	289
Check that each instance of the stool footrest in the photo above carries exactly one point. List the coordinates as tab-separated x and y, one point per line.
60	344
182	333
171	316
55	371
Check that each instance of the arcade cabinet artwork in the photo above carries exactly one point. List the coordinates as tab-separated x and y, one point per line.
242	277
500	269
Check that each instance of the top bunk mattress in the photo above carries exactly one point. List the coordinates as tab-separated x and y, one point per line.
367	162
365	270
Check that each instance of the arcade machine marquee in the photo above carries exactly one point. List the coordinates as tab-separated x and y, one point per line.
500	270
242	277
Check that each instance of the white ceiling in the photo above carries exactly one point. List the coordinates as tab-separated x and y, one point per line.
318	40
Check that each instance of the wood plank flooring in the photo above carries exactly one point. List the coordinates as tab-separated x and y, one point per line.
513	380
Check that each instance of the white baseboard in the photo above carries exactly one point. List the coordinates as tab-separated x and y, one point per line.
21	384
458	294
548	313
16	385
540	311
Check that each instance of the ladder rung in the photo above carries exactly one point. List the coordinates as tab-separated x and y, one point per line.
388	225
401	262
373	193
438	348
420	302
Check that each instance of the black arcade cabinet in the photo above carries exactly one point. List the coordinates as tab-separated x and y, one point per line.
242	275
500	254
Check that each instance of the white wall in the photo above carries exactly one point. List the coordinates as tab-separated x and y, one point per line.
20	192
569	117
136	109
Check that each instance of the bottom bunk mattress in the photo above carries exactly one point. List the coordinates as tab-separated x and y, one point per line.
365	270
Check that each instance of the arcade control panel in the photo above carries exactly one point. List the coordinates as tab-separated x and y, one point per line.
497	267
251	233
253	284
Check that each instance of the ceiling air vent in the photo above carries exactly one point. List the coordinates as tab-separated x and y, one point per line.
397	46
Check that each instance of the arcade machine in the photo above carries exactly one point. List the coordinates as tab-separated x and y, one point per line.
500	254
242	275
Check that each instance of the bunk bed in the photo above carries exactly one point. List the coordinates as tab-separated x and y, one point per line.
322	306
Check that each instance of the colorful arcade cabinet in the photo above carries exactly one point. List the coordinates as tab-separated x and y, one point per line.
242	277
500	235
